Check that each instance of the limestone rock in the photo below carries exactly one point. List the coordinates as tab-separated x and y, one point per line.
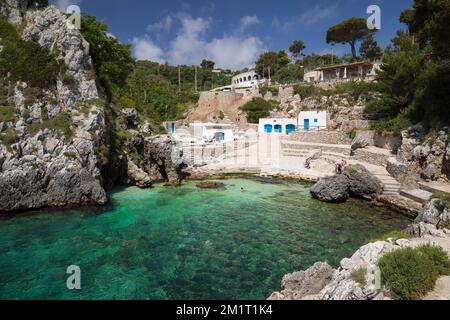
163	160
334	189
137	176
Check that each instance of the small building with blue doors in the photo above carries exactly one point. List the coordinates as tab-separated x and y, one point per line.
306	121
312	120
277	126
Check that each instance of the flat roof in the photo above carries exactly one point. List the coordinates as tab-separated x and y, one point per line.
353	64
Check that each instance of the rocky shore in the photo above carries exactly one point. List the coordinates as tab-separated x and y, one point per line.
72	164
322	282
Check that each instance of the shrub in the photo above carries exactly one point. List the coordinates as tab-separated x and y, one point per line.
29	62
359	276
411	273
356	89
258	108
70	155
221	115
306	91
31	95
7	114
263	90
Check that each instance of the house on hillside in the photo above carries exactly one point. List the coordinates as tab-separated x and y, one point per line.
363	70
246	80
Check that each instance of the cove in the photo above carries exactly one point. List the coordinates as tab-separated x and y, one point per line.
183	243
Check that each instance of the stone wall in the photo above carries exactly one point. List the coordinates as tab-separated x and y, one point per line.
322	137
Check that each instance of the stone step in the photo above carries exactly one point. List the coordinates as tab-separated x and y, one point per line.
417	195
435	187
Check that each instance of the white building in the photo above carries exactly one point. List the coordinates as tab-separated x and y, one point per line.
362	70
212	132
312	120
248	79
277	126
306	121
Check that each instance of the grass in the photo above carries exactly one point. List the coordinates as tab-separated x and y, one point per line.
62	123
444	197
411	273
8	138
359	276
7	114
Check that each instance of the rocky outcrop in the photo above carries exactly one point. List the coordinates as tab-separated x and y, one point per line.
420	158
163	160
322	282
356	181
433	220
304	284
49	167
334	189
136	176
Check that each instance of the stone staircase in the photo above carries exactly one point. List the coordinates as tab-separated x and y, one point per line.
390	185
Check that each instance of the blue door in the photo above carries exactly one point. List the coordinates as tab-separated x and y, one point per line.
290	128
278	128
268	128
306	124
222	137
172	128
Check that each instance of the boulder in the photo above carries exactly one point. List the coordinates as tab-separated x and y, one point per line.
362	183
356	181
334	189
359	143
137	176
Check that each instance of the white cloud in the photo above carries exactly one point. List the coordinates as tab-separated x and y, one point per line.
317	14
191	45
165	24
248	21
234	52
64	4
146	49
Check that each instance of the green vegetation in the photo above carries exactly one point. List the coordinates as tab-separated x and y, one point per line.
444	197
370	50
415	74
70	155
263	90
349	31
61	123
359	276
258	108
306	91
290	73
221	115
8	138
356	89
297	48
7	113
16	56
412	273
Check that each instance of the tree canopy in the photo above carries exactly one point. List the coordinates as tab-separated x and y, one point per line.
297	48
349	31
112	60
271	62
370	49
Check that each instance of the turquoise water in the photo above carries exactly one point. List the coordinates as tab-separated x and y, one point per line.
183	243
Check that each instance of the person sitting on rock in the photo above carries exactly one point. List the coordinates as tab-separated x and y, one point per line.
307	164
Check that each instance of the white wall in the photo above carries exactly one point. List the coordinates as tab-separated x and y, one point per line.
206	131
317	120
273	122
242	80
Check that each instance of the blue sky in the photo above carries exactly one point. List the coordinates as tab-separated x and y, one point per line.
233	32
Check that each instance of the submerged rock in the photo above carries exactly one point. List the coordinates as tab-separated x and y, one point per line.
210	185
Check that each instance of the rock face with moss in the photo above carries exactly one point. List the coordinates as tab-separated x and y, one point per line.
356	181
48	149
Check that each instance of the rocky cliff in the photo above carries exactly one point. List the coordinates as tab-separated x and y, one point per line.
322	282
422	157
54	148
